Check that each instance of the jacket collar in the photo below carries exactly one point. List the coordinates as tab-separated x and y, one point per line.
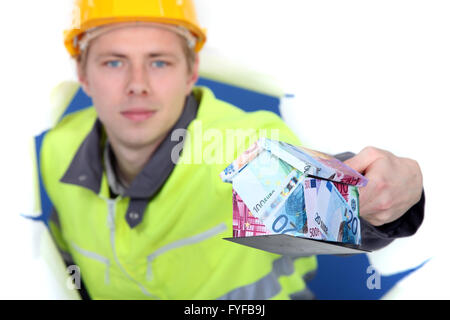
87	167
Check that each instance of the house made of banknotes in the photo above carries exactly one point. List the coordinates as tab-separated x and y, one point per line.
281	189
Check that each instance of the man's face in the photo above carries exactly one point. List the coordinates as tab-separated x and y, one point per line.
138	80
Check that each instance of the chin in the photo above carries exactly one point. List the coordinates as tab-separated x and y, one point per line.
138	142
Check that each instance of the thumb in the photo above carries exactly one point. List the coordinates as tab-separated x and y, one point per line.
364	159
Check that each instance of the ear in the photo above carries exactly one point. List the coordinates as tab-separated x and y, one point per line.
82	78
194	75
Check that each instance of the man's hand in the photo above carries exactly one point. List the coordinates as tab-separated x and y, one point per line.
395	185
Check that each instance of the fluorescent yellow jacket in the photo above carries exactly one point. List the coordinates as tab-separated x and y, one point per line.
177	251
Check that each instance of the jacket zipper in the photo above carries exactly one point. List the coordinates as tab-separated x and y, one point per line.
181	243
112	227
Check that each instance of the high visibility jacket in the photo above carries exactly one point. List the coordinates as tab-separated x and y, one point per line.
177	251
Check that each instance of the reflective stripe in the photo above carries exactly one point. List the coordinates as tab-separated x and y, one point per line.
183	242
95	256
265	288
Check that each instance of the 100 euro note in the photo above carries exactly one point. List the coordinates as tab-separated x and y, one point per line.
265	185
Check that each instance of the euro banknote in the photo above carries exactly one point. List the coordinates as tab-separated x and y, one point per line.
314	162
237	165
332	217
244	223
305	214
273	193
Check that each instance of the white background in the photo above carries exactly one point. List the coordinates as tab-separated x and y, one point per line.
363	73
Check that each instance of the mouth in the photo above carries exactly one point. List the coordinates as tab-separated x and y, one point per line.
138	115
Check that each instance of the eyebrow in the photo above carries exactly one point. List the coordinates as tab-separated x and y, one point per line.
123	56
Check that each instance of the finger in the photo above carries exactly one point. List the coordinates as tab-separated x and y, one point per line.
370	194
364	159
379	190
365	200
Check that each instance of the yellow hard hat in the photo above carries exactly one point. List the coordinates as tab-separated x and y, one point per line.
89	14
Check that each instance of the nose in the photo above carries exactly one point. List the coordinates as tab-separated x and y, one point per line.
138	82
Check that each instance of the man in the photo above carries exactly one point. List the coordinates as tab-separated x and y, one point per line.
141	224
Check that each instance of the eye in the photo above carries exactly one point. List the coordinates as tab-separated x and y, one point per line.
159	64
114	63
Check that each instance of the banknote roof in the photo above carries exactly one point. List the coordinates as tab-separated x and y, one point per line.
310	162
